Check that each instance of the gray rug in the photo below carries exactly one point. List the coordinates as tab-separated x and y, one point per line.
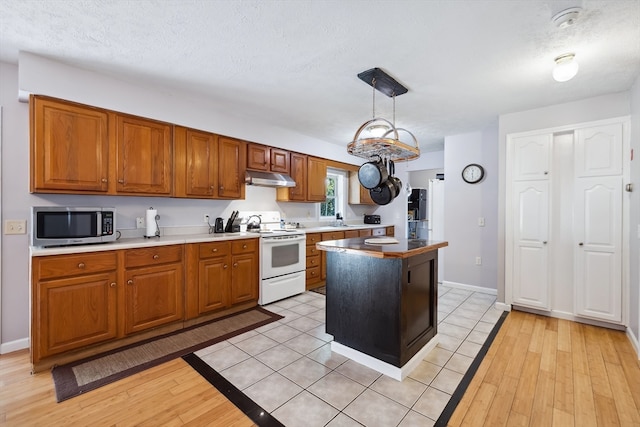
87	374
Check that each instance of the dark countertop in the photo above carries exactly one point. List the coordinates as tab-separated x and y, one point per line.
405	248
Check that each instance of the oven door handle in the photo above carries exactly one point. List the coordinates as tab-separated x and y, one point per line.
272	241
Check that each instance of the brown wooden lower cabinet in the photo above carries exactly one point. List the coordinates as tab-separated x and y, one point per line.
84	304
314	260
221	275
74	302
154	287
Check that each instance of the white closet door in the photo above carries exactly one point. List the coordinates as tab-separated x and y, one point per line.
598	151
532	157
598	222
530	251
598	258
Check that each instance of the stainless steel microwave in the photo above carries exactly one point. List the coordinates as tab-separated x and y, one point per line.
61	226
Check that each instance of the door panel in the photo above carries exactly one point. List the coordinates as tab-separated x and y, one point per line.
532	156
599	151
598	257
531	227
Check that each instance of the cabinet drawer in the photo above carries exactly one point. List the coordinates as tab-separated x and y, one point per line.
72	265
152	256
350	234
391	231
364	233
313	273
214	249
313	261
312	250
244	246
333	235
313	238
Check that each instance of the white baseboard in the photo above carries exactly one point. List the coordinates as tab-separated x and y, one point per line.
10	347
472	288
502	306
385	368
634	341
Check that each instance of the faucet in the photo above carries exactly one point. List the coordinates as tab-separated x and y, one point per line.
339	222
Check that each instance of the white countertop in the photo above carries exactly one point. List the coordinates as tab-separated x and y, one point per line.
177	239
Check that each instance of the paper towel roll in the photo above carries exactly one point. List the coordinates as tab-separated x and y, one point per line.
152	226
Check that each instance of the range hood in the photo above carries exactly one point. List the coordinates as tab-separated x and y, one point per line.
268	179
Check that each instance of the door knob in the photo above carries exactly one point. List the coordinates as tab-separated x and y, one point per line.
580	244
129	282
113	284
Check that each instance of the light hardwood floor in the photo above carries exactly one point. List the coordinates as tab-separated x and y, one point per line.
538	372
541	371
170	394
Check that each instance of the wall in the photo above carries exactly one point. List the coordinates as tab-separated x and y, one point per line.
634	238
465	203
55	79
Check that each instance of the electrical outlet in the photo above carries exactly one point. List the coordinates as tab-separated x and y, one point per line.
206	218
15	226
140	222
481	221
478	260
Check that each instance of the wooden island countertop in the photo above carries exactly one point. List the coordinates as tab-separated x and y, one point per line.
405	248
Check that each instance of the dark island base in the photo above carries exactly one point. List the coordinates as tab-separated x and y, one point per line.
385	308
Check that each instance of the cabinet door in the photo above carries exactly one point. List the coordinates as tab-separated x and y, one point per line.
258	157
144	156
244	278
598	255
153	297
316	179
531	157
232	164
280	160
214	279
530	252
71	313
599	151
69	147
196	164
299	175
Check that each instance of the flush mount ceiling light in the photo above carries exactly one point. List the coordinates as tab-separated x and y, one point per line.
566	67
379	136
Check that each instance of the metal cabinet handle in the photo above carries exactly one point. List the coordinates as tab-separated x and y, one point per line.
104	179
313	273
235	264
225	266
113	284
221	188
156	256
244	246
121	181
214	250
81	265
129	282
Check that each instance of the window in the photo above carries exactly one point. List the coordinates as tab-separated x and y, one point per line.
336	194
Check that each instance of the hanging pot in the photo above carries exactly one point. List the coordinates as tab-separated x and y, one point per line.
372	174
384	193
395	180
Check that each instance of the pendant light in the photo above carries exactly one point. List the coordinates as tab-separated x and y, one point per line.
379	136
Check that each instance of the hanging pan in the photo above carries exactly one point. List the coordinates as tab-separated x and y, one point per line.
372	174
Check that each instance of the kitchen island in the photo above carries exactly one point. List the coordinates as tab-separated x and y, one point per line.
382	301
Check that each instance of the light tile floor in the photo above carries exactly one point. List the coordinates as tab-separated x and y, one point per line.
287	366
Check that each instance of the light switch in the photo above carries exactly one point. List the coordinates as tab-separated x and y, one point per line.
15	226
481	221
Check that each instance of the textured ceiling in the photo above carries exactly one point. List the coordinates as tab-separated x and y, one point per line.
294	63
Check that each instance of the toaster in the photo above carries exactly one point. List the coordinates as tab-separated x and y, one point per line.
372	219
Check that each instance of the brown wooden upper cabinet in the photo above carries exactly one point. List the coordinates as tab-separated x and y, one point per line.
231	168
316	179
310	175
196	163
69	147
263	158
144	156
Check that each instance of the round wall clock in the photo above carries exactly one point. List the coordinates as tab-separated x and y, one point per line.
473	173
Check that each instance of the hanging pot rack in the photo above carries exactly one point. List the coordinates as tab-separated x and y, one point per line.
394	143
